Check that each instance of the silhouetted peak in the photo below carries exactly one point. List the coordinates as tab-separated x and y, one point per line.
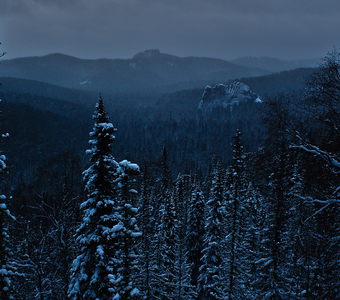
151	53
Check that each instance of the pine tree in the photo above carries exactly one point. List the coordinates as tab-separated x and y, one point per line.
93	271
273	262
234	213
211	279
273	267
240	231
300	232
163	248
195	232
146	225
253	218
182	267
167	265
126	256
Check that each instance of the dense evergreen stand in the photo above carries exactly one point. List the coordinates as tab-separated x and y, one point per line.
261	225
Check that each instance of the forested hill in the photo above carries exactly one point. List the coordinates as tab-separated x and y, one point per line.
38	88
153	122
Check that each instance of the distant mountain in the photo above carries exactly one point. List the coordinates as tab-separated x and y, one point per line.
149	71
65	101
275	64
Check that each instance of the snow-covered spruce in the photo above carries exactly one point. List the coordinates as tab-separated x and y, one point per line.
240	243
98	271
126	256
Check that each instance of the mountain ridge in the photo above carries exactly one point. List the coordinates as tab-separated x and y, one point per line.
147	71
275	64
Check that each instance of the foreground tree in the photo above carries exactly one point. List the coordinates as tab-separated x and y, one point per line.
6	270
320	145
93	271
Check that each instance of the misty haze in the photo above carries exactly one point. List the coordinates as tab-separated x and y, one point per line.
169	150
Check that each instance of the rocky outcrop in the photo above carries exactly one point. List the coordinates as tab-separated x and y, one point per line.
221	95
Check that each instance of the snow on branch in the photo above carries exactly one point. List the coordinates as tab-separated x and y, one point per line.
308	147
325	203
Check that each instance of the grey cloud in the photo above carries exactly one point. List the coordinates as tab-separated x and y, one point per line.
219	28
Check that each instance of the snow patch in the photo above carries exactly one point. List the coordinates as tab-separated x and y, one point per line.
85	82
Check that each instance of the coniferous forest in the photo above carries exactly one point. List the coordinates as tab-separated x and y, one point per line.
171	201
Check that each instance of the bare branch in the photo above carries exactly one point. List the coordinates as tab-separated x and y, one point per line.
308	147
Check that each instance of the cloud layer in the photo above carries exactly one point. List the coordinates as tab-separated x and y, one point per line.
218	28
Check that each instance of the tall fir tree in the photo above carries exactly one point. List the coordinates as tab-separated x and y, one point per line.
163	266
182	267
146	223
126	256
272	266
237	245
167	271
273	258
93	271
195	232
300	232
211	279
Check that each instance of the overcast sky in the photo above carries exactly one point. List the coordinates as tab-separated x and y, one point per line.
226	29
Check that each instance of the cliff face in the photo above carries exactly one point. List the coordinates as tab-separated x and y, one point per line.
221	95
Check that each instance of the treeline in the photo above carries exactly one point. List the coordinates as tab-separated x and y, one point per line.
35	112
263	224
